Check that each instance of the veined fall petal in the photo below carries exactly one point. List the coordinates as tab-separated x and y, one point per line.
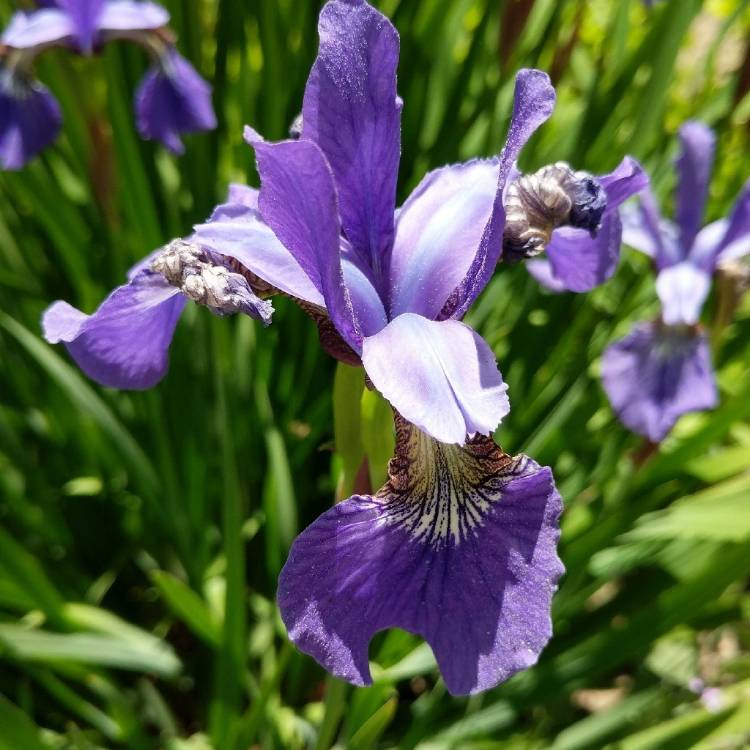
458	547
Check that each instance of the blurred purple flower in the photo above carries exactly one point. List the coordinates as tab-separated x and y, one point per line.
663	370
173	99
84	26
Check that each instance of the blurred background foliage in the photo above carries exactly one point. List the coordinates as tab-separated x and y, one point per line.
141	534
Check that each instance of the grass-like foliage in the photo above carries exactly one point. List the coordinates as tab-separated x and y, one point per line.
142	533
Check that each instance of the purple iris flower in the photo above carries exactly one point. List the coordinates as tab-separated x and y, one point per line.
582	257
460	545
172	99
663	369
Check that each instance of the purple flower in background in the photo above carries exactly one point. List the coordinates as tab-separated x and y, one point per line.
584	254
173	99
663	369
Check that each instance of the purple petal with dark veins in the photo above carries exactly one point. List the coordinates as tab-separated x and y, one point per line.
438	231
30	120
458	547
582	262
298	201
171	100
533	103
693	174
441	376
655	375
125	343
351	111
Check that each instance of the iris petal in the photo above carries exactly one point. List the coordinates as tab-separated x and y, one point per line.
440	375
125	343
352	113
693	174
131	15
682	290
458	547
38	28
655	375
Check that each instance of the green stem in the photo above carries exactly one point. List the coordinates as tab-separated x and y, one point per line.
335	704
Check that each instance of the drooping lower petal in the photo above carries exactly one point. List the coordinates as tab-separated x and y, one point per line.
458	547
534	100
682	290
30	120
581	262
440	375
693	174
172	100
351	111
541	270
655	375
438	231
298	201
125	343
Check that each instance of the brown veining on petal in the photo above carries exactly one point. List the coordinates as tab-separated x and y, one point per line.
442	492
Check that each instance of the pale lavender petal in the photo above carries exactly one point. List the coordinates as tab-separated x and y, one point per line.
243	235
441	376
366	302
582	262
38	28
636	232
682	290
350	110
646	230
627	179
693	174
298	201
541	270
438	231
534	100
131	15
244	194
30	120
655	375
125	343
707	244
171	100
459	547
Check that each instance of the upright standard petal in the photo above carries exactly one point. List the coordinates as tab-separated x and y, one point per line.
352	112
441	376
30	120
458	547
655	375
298	201
534	100
171	100
693	174
125	343
84	15
438	231
682	290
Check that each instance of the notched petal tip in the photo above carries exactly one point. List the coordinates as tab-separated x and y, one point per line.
458	547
